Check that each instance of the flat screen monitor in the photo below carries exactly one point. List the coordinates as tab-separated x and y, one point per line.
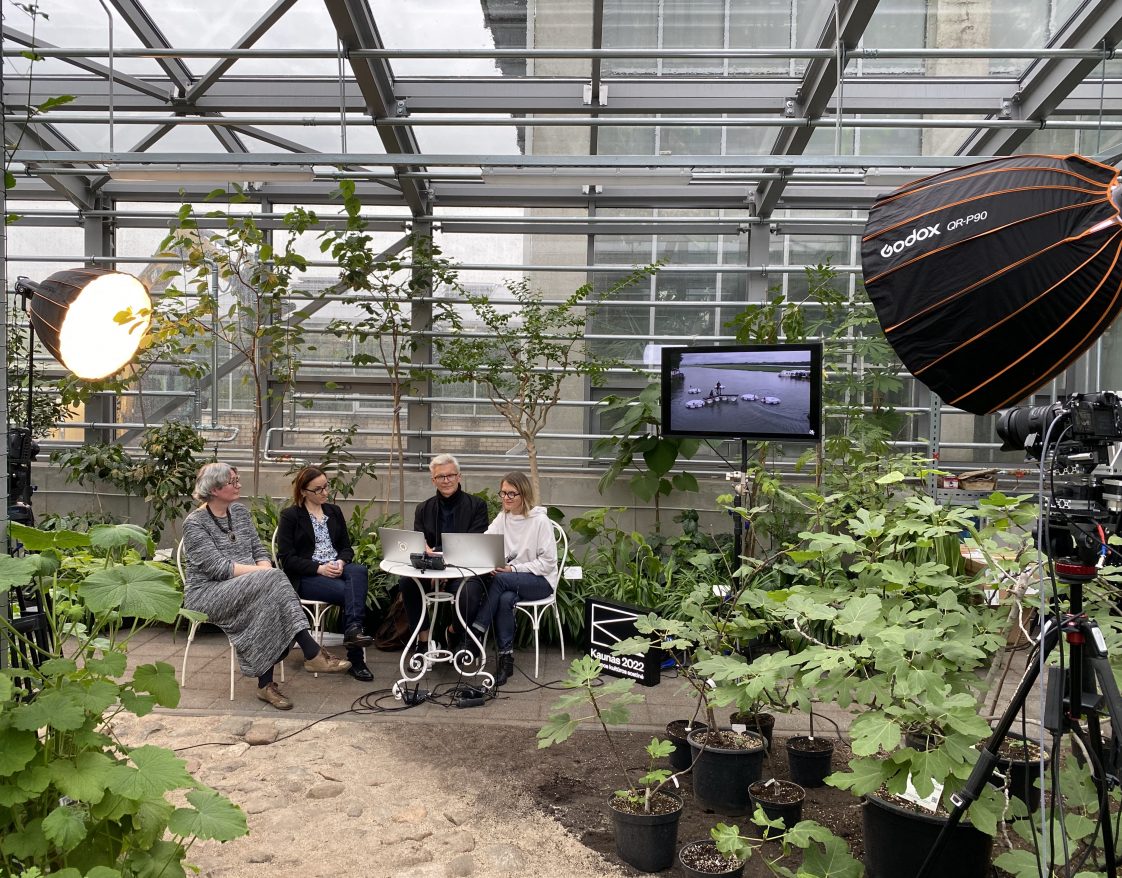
758	392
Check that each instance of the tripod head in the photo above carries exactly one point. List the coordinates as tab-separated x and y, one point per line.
1085	506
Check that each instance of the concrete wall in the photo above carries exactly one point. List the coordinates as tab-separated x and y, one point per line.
573	493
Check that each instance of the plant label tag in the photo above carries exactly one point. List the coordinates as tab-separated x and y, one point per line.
928	803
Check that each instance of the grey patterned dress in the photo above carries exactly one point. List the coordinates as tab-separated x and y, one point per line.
258	611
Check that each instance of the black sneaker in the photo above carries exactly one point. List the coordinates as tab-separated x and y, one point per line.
361	673
357	638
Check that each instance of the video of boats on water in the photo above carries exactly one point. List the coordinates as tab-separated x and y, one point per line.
766	392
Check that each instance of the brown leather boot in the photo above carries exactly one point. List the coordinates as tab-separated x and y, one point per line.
325	663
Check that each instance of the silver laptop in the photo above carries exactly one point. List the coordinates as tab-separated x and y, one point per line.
478	551
398	545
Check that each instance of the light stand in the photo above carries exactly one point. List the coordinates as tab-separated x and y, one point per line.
22	449
1066	702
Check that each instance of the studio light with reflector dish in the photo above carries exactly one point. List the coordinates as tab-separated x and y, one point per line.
990	279
92	320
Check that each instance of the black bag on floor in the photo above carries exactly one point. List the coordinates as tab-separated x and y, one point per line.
393	630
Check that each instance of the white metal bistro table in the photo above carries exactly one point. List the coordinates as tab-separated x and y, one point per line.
414	666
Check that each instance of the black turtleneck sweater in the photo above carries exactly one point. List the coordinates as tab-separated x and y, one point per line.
462	513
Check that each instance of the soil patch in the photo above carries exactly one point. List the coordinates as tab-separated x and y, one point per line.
572	781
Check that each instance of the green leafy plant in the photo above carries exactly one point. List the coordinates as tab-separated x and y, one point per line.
47	405
609	704
526	351
163	476
889	627
74	800
634	425
824	854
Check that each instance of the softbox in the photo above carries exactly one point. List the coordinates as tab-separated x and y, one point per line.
989	280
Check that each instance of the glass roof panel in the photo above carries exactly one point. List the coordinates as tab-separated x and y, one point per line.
306	25
72	24
461	140
448	24
208	24
95	138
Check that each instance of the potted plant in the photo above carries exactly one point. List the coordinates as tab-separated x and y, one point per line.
780	799
644	814
76	800
890	623
726	852
724	761
911	664
809	756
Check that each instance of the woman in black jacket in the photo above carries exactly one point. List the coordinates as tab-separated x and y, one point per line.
314	549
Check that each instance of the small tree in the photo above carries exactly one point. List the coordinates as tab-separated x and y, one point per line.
384	292
525	353
252	321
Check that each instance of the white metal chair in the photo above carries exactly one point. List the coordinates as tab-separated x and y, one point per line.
195	627
535	610
316	611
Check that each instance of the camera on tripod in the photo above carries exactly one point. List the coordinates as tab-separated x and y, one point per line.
425	561
1084	433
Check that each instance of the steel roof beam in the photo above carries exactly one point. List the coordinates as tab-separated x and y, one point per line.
257	30
818	85
229	140
1046	83
504	160
270	138
99	70
137	18
355	26
75	189
864	95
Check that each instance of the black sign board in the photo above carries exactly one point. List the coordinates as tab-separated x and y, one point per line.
607	623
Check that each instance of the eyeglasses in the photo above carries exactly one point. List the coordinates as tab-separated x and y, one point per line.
446	477
235	482
322	489
509	495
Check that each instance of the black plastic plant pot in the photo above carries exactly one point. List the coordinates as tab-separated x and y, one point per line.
722	775
809	760
647	841
677	730
759	723
780	799
898	840
1024	775
706	849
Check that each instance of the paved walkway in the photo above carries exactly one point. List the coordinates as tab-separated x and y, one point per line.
523	701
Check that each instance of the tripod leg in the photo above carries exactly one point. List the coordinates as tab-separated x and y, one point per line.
987	759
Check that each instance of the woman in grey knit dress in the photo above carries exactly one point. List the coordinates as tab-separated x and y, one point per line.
230	578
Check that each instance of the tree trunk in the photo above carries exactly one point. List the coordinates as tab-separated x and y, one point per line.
532	456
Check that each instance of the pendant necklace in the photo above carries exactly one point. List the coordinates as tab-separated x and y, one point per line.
228	529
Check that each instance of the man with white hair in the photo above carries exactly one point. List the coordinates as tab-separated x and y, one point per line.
450	510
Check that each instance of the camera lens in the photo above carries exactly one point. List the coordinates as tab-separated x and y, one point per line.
1016	425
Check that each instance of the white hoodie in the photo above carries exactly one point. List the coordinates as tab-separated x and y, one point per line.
529	543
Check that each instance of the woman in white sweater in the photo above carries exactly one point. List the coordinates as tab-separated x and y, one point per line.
530	573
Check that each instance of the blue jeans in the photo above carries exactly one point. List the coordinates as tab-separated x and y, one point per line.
347	591
505	590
